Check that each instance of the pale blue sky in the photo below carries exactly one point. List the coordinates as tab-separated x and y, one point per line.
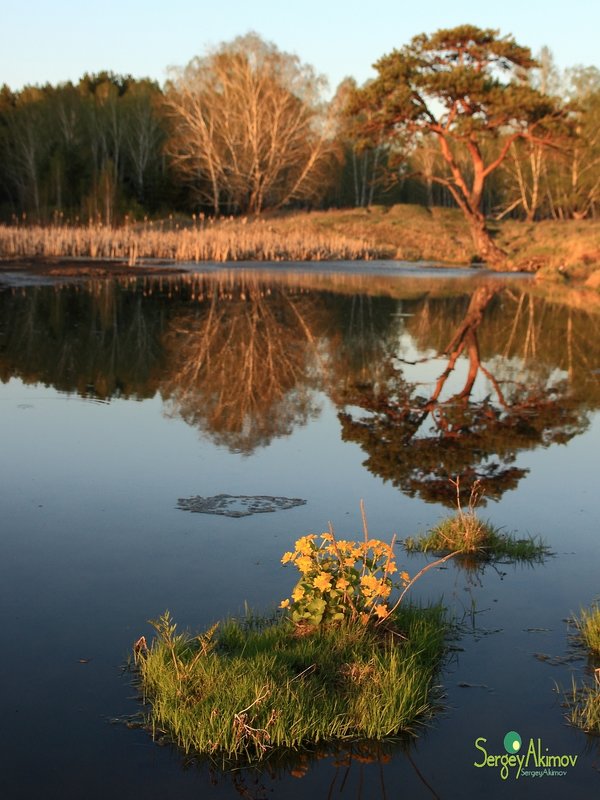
58	40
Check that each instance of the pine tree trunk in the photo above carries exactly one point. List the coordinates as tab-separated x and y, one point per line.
487	250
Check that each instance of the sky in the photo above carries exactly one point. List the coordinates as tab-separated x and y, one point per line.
59	40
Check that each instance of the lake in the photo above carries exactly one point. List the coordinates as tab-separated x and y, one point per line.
121	396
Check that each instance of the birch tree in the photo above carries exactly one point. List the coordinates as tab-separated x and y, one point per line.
248	127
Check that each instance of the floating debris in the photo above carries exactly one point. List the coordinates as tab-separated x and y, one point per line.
465	685
242	505
556	661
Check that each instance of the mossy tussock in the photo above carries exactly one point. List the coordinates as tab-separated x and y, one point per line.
465	534
250	687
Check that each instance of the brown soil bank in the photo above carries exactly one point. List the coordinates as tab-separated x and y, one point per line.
555	250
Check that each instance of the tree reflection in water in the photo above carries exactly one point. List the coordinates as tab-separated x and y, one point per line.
433	378
344	771
474	430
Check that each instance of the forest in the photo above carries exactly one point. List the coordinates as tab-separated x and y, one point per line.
247	128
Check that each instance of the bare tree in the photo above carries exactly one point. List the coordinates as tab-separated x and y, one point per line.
143	133
248	128
25	145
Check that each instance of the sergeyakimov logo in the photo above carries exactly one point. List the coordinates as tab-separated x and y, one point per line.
536	762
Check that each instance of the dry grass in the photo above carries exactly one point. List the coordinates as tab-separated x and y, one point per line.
562	251
467	535
231	240
557	250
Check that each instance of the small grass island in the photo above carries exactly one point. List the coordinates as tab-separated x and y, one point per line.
345	660
339	662
255	685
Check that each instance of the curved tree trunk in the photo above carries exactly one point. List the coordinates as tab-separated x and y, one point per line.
487	250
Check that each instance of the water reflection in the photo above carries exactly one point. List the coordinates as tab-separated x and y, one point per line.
430	378
243	363
473	419
359	770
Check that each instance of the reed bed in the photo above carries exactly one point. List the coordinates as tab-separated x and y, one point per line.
558	251
218	242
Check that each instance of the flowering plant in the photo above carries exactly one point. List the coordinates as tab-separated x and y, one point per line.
342	579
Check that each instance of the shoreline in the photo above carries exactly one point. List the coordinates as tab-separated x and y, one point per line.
29	270
564	253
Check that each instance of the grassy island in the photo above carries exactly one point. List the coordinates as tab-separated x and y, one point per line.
342	663
465	534
475	538
249	686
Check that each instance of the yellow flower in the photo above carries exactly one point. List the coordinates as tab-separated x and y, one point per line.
364	618
284	604
305	545
349	562
298	594
304	563
287	557
381	611
404	576
327	537
322	581
370	582
342	584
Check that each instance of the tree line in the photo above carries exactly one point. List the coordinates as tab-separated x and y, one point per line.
463	117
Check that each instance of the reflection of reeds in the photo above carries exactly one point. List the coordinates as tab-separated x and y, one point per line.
221	241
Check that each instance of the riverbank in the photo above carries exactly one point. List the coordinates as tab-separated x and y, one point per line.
556	251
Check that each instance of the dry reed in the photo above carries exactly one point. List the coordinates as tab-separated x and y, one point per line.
217	242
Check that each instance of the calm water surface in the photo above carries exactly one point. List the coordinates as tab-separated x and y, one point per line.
119	397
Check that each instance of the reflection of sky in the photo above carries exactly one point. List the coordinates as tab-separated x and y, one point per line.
92	545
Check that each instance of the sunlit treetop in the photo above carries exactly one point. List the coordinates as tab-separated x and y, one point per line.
463	86
460	80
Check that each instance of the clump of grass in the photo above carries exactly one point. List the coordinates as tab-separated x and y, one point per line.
483	540
465	534
588	629
584	700
238	692
584	705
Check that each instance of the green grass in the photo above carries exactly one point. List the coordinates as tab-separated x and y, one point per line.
467	535
257	686
584	707
584	701
588	629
